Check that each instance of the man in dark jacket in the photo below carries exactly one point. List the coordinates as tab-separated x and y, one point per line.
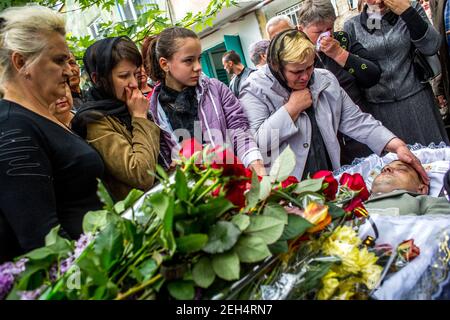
74	83
232	64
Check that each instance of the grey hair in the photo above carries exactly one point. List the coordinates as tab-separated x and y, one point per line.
313	11
277	19
24	30
256	49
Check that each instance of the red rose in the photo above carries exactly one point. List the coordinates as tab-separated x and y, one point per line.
235	192
189	147
332	188
408	250
226	160
289	181
356	206
355	182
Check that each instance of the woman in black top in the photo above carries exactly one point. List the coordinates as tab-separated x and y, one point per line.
47	173
392	30
349	61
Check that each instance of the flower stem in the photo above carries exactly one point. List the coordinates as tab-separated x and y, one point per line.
200	183
209	189
138	288
288	197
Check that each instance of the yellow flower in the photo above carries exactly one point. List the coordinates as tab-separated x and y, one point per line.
350	261
348	235
371	275
330	283
366	258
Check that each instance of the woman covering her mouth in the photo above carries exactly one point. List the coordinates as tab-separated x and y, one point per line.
114	120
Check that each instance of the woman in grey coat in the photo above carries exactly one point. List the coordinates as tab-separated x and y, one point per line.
289	103
391	30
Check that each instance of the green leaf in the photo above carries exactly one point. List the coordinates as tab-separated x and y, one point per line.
160	203
181	187
268	228
335	211
145	270
276	211
283	165
108	246
296	227
104	196
265	188
309	185
203	273
253	194
161	172
53	236
242	221
191	243
214	208
39	253
181	290
221	237
164	207
56	243
281	246
128	202
209	213
97	220
251	249
226	265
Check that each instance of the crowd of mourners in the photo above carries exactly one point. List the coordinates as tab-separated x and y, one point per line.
331	95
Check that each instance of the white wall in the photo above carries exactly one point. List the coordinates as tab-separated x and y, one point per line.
247	30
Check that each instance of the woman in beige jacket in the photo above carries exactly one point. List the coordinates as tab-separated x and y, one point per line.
114	119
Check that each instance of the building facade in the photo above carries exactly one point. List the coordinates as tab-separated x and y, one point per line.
234	28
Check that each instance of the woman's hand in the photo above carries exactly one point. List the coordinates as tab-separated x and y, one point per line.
299	101
259	168
397	6
332	48
404	154
136	102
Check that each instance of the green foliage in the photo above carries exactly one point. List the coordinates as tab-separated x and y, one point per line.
267	228
222	237
252	249
203	273
226	265
181	290
296	227
183	237
283	165
149	23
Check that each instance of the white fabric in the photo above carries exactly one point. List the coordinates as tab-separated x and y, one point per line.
425	230
435	160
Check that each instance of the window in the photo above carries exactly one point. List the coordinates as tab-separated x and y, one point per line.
94	27
291	12
127	10
352	4
142	6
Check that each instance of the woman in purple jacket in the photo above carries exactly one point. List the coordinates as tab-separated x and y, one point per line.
187	104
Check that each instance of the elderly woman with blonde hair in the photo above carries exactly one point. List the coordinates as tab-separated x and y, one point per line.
47	173
289	103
